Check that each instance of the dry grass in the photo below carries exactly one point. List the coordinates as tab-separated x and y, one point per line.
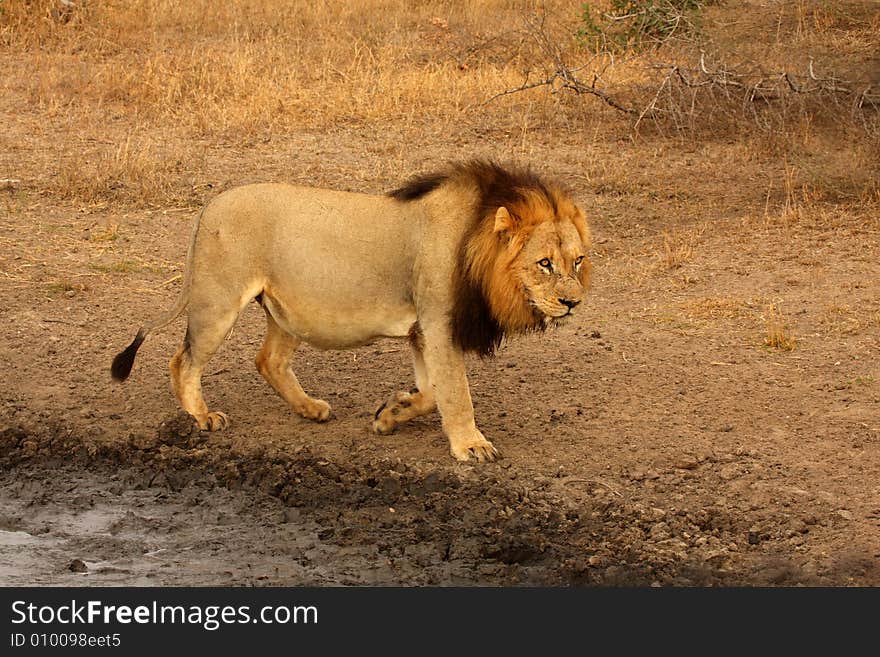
125	266
64	286
720	308
142	90
109	234
133	172
778	335
843	319
245	67
676	250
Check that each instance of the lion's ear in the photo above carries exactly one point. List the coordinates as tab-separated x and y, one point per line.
503	220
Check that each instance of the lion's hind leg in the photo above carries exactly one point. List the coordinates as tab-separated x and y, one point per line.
404	406
273	362
206	329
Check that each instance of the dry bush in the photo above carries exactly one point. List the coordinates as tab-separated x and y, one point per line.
681	89
707	98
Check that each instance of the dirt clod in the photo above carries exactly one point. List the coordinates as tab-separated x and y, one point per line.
78	566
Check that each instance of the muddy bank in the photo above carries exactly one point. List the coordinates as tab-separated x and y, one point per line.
173	508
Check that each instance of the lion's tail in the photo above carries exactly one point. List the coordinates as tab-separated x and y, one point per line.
124	360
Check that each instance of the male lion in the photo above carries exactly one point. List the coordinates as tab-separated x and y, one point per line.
452	261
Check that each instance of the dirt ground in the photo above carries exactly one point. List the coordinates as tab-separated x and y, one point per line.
711	416
654	439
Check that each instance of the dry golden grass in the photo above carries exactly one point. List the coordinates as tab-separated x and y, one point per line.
676	250
243	67
237	67
109	234
141	89
65	286
843	319
132	172
720	308
125	266
778	335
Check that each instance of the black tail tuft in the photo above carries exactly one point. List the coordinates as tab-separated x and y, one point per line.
124	360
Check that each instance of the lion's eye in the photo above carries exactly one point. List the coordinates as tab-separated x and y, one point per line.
546	264
578	261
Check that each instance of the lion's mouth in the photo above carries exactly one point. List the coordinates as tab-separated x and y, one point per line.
548	316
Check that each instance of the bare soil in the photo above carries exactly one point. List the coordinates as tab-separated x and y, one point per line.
656	439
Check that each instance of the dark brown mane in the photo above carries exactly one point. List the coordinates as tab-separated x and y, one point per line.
496	184
475	328
418	187
499	186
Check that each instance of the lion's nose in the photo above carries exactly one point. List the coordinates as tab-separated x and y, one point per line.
569	303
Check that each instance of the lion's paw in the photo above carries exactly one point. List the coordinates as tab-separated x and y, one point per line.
475	448
384	424
390	414
315	409
214	421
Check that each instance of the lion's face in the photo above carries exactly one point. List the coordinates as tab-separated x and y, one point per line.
553	268
526	266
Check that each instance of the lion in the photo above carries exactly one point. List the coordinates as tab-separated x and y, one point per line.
453	262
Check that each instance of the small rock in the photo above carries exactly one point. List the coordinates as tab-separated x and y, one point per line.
846	515
142	441
639	475
178	430
290	515
78	566
660	531
657	513
390	484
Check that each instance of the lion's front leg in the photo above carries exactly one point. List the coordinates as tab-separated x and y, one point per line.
404	406
446	371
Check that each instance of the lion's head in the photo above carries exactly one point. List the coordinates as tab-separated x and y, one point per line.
523	261
523	264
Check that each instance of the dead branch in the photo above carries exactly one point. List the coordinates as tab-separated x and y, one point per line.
748	87
679	94
562	76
